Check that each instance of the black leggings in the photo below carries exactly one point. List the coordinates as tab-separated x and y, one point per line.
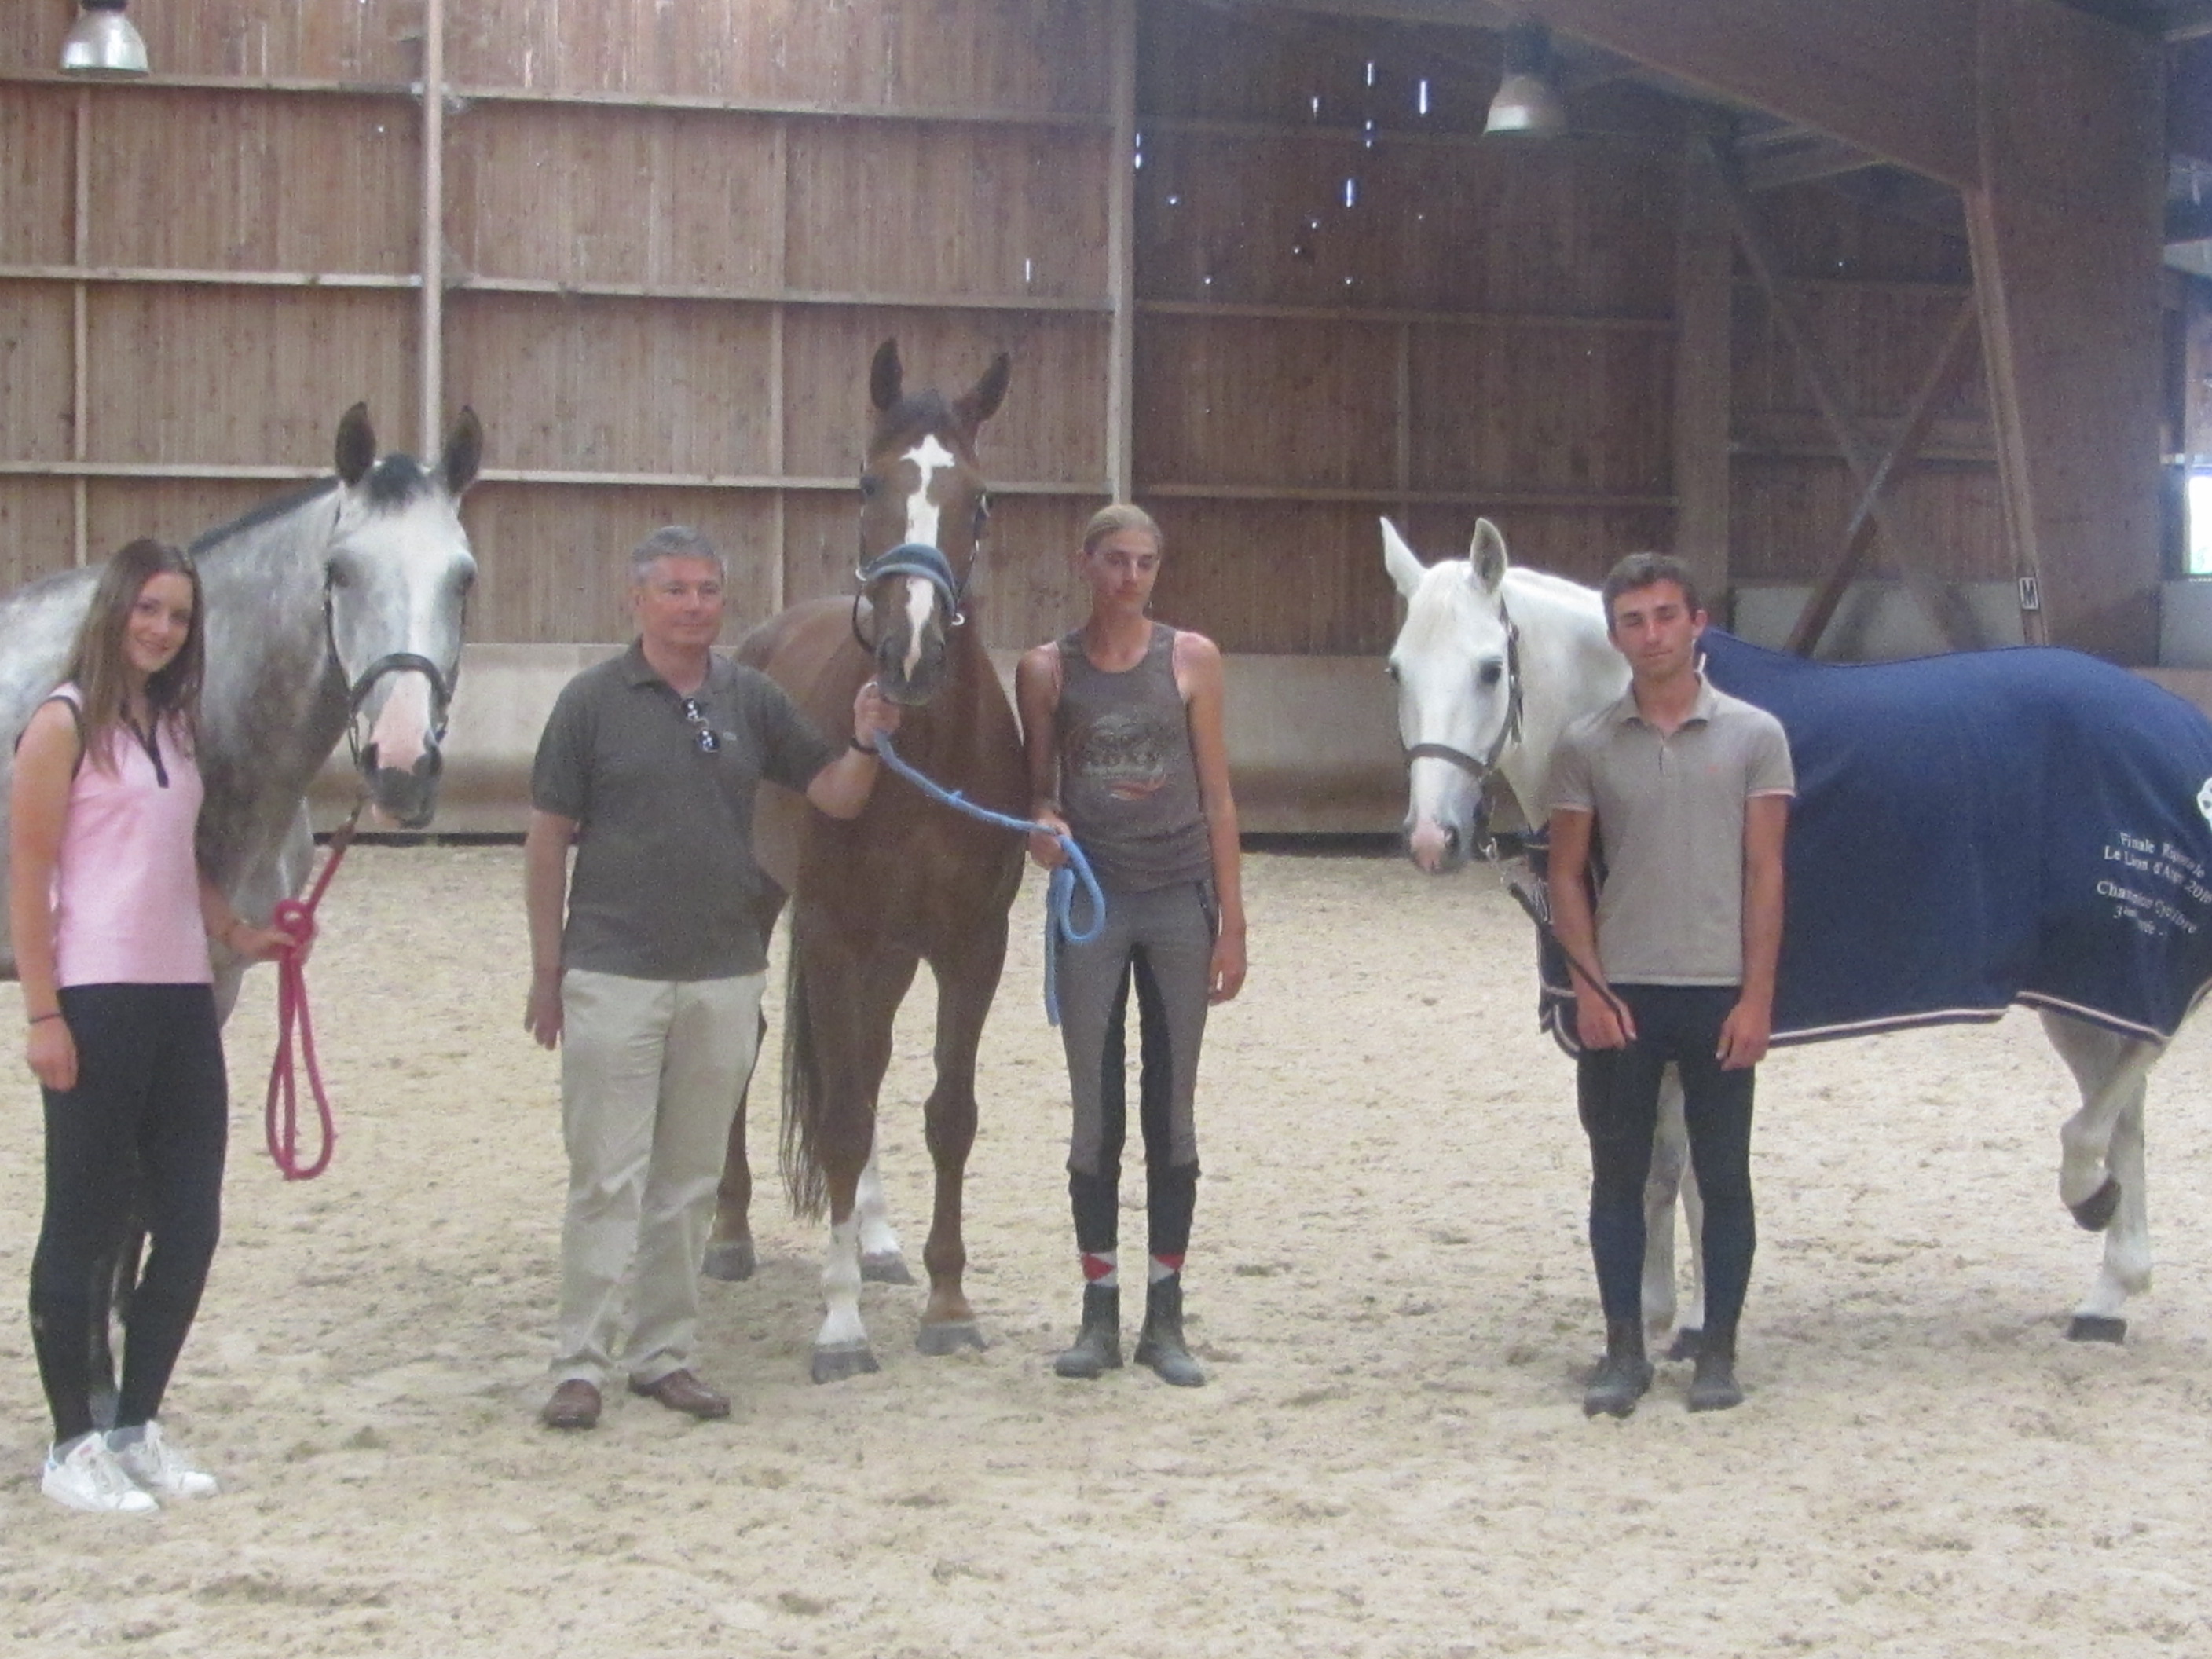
1618	1091
144	1131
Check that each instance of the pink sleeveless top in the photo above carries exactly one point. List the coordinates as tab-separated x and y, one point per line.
126	887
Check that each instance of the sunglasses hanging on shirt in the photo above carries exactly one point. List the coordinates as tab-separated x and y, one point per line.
702	734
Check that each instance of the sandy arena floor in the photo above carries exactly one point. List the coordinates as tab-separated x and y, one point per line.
1390	1284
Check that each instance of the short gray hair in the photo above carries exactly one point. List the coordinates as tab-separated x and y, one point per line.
673	541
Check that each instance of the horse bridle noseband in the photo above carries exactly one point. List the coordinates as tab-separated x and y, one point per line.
392	662
920	559
1480	769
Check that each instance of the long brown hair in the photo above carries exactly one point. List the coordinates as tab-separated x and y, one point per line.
98	666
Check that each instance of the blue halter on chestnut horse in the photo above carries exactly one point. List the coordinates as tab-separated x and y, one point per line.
873	898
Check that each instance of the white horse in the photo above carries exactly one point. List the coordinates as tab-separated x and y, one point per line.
333	613
1492	663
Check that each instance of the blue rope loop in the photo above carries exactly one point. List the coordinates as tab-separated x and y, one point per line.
1060	897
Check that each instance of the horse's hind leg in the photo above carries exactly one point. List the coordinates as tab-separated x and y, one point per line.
883	1259
729	1253
965	985
2102	1167
1671	1176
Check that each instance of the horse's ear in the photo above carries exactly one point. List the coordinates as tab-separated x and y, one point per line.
464	449
1485	557
356	444
981	401
1400	561
885	377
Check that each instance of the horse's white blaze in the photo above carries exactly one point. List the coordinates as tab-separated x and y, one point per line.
929	457
920	601
876	1237
840	1288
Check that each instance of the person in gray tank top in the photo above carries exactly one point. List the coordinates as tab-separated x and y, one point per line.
1121	722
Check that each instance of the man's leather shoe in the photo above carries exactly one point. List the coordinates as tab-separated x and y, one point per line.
574	1405
680	1391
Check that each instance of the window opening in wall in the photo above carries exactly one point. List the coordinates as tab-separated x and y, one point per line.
2196	519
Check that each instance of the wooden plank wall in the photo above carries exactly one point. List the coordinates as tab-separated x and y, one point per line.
672	236
1877	293
1349	306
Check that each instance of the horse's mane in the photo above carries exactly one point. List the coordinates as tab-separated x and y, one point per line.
1561	587
392	483
255	517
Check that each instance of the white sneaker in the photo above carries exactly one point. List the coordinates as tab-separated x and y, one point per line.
88	1477
159	1466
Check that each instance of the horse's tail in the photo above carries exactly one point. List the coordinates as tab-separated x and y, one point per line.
803	1178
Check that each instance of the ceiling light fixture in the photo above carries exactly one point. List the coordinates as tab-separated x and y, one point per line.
1526	103
102	42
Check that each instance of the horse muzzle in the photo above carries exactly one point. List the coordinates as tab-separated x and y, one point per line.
406	795
1438	849
910	687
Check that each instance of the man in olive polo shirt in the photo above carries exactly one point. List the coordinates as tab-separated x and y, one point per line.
648	767
1686	791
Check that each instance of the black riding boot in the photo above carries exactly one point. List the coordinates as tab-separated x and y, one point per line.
1624	1374
1160	1345
1713	1387
1097	1347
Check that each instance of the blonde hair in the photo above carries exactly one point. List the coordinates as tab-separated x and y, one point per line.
1112	520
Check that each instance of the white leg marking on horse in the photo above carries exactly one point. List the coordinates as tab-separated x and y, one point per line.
1670	1161
920	601
840	1288
877	1236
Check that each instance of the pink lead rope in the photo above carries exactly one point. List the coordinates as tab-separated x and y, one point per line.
282	1117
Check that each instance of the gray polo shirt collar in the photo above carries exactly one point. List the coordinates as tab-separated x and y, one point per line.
1701	710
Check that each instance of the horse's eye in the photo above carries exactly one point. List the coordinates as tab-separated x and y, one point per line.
869	485
340	576
1391	669
1490	673
465	584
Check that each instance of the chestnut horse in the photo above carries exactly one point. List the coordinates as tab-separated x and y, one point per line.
904	883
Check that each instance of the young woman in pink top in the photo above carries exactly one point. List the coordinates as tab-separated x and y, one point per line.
111	919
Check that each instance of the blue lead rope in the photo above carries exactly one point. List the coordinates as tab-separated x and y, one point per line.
1060	898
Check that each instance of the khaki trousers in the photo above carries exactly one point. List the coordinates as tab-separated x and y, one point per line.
650	1076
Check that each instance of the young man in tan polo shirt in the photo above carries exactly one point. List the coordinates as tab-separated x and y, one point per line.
1685	791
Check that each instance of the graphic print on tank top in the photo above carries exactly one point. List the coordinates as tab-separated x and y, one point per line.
1127	751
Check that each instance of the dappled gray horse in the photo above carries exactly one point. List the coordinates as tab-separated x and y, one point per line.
335	612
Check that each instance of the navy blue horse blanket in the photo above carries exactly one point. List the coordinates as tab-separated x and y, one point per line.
2029	825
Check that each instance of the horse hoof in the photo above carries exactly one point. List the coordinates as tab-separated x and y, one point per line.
846	1359
886	1268
2096	1327
1687	1344
949	1337
2095	1213
729	1259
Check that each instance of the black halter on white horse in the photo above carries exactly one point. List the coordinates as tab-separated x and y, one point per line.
1508	734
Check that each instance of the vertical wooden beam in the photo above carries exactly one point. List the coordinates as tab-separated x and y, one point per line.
2066	232
1402	438
432	343
1121	254
778	408
1704	293
81	331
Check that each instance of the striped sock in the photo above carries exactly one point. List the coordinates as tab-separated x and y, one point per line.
1101	1269
1163	1267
